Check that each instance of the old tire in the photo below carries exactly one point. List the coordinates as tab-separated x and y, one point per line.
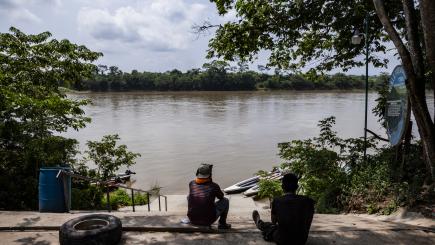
91	229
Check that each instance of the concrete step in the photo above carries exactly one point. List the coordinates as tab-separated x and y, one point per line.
177	204
144	221
143	227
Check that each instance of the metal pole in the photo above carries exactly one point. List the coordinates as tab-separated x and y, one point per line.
160	208
108	199
366	27
148	200
132	199
166	203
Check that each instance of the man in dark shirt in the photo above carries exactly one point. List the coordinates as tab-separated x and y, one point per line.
291	216
202	208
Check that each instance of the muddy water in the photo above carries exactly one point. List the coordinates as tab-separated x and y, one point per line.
236	131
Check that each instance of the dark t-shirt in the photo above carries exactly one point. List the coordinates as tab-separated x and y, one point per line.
294	214
201	202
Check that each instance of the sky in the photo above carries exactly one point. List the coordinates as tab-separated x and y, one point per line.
146	35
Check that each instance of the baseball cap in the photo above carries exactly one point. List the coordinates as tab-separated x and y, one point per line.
204	170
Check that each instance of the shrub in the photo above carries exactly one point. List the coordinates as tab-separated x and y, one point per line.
87	199
140	199
335	174
270	188
118	198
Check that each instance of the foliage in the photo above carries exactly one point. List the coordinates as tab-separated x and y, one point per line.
93	197
89	198
269	188
120	198
333	172
300	33
220	77
321	162
141	199
108	157
380	109
33	110
316	34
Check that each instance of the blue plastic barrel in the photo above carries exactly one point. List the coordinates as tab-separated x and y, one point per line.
54	193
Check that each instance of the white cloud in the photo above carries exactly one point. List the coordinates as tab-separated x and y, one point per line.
49	2
16	10
161	25
22	10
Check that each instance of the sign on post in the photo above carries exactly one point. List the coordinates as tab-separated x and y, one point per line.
397	106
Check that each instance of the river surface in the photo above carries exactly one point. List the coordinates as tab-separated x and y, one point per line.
238	132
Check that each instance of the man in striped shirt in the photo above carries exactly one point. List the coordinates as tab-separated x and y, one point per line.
202	208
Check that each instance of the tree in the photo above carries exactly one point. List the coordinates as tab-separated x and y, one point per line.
33	109
413	59
102	69
302	32
108	156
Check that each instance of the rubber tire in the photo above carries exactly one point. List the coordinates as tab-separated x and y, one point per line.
106	235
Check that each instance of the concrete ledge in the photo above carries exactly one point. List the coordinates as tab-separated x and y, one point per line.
193	229
32	228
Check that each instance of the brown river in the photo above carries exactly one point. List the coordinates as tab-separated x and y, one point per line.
238	132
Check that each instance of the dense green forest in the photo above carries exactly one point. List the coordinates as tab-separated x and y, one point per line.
219	76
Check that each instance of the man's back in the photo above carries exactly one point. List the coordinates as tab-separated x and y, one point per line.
294	214
201	202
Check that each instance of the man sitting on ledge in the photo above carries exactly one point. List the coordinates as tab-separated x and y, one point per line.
291	216
202	208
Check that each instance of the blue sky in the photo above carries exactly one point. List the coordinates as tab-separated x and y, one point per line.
151	35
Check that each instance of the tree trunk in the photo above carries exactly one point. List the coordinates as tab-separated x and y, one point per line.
427	12
414	84
414	42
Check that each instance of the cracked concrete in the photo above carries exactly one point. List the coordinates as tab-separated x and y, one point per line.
143	227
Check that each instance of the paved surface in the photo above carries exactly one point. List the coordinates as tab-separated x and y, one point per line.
316	238
155	227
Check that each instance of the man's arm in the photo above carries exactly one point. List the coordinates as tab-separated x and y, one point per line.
273	214
218	192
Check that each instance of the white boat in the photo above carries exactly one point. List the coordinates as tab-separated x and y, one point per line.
122	177
242	185
254	189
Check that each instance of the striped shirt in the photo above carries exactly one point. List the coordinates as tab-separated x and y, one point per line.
201	202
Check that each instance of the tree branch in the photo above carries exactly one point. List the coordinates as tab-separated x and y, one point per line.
376	135
394	36
204	28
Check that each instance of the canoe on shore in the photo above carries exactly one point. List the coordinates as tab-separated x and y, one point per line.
254	189
250	183
242	185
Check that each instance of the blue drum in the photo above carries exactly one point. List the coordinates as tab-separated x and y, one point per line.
54	193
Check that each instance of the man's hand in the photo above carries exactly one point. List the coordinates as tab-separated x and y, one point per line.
274	219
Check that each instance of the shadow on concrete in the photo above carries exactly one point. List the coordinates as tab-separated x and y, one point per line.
165	221
31	240
369	232
391	234
193	238
372	237
29	221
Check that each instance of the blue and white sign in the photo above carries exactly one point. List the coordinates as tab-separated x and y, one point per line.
397	106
